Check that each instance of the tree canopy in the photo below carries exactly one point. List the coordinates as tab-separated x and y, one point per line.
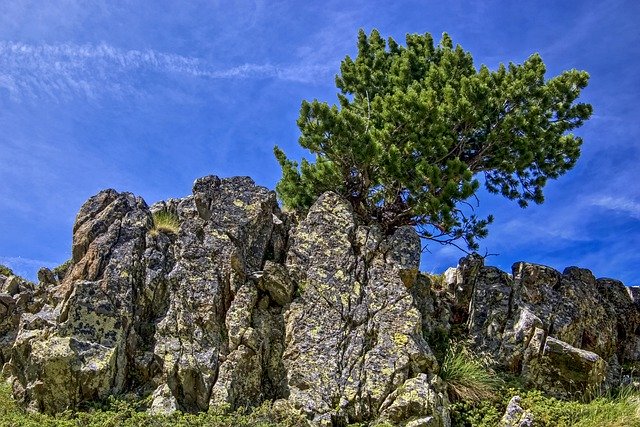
418	128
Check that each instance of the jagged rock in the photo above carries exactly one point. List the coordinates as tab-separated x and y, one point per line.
594	315
275	280
12	285
84	356
207	340
47	277
515	416
353	335
17	298
321	314
9	320
561	369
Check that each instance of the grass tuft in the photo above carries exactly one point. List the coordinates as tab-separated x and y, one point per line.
165	221
468	379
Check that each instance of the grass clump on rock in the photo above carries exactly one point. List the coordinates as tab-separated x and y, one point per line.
468	379
165	221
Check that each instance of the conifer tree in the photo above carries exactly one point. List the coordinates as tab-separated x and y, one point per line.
418	128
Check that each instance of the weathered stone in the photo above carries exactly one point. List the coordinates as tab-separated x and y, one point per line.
420	401
353	335
515	416
594	315
46	277
206	339
275	280
84	357
322	314
12	285
561	369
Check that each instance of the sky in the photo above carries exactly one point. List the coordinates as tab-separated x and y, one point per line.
147	96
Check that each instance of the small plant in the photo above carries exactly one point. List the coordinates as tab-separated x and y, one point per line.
438	282
5	271
468	379
164	221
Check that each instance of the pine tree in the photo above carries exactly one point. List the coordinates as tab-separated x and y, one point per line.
418	128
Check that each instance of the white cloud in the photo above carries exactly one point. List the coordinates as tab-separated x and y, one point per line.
63	70
620	204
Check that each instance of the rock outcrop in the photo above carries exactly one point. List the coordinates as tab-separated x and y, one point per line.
354	335
579	327
239	303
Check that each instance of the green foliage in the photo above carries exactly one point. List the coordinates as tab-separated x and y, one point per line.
62	270
6	271
117	413
468	379
419	127
165	221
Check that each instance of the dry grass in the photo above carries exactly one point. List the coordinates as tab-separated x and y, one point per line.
165	221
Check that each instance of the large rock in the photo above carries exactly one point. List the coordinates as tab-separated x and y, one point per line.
219	334
17	298
597	315
179	314
353	335
82	352
561	369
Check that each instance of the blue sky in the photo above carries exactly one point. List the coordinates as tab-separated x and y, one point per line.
147	96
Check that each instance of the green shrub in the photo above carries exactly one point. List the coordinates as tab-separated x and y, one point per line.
165	221
130	413
468	378
6	271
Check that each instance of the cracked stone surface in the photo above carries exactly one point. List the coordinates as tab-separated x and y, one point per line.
353	335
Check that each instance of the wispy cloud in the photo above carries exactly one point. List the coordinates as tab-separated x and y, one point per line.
620	204
62	70
25	267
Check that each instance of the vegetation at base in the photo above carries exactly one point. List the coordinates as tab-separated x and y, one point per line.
619	409
419	127
6	271
165	221
468	379
123	413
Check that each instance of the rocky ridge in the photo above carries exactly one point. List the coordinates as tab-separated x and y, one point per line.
244	303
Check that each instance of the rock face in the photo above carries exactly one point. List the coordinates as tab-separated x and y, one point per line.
242	303
353	336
